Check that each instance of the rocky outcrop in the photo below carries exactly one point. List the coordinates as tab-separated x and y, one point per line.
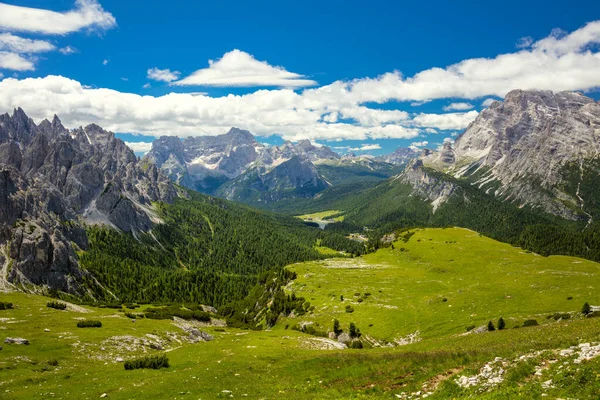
52	179
426	184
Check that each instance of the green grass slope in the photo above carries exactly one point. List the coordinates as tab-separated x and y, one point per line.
441	281
481	279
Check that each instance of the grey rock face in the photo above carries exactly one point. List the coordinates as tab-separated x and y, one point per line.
427	186
526	140
50	178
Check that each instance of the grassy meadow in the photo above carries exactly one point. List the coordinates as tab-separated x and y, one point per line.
480	279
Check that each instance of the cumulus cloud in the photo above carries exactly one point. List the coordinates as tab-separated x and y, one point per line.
458	107
487	102
340	110
557	62
17	44
366	147
139	147
164	75
451	121
240	69
87	14
264	112
416	145
15	62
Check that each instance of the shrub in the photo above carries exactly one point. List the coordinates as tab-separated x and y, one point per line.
470	328
88	323
501	324
151	362
5	306
349	309
356	344
490	326
570	298
130	315
586	309
53	362
56	305
530	322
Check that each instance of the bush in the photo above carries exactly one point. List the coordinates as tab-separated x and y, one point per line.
470	328
349	309
53	362
88	323
151	362
130	315
56	305
356	344
530	322
490	326
353	330
176	311
5	306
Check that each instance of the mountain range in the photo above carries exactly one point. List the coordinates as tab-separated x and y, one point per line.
237	167
528	161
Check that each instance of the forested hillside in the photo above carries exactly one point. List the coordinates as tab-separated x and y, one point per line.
206	250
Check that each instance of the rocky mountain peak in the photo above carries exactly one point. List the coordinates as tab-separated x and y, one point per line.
526	141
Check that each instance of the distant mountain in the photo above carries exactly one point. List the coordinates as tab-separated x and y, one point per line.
51	181
237	167
400	156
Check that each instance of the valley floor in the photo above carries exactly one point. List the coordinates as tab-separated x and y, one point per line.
480	280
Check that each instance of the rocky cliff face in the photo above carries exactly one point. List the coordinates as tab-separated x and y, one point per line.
521	146
52	180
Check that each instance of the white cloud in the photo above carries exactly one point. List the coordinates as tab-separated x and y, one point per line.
524	42
68	50
558	62
147	86
88	14
458	106
333	112
487	102
452	121
366	147
139	147
164	75
419	144
105	62
17	44
240	69
15	62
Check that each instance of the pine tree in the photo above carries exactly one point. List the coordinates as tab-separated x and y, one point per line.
501	324
336	327
490	326
586	308
352	330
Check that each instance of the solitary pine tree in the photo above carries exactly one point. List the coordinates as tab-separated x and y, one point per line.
336	327
353	330
586	308
501	324
491	326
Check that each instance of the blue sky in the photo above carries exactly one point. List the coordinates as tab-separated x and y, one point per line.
319	70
